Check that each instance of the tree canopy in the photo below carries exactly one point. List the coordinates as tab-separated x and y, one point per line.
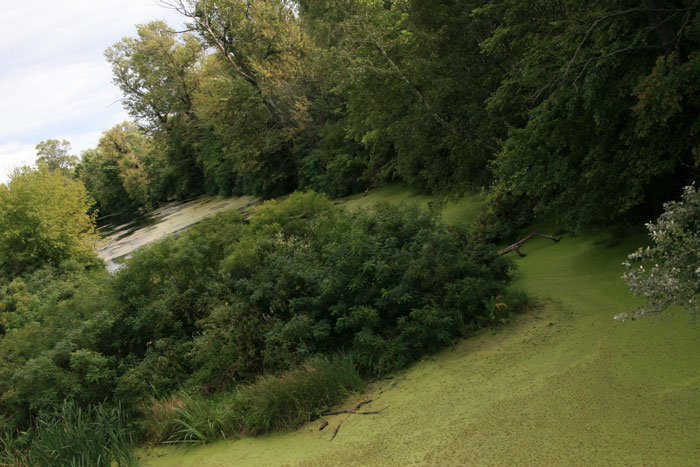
55	155
44	220
586	111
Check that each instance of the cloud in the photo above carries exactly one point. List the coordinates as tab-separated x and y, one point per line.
74	95
14	155
54	80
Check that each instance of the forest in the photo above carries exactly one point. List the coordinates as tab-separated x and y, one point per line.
583	113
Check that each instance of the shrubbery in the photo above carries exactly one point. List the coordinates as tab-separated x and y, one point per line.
668	271
247	312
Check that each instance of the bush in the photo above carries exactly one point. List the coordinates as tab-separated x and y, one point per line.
44	220
307	277
668	271
272	403
227	304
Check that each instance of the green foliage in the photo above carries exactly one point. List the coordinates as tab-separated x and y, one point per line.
54	154
446	96
120	172
43	220
272	403
307	277
674	277
581	149
229	304
414	79
337	167
156	73
52	323
96	436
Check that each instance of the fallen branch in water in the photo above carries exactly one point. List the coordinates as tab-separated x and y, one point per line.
357	407
350	413
354	411
336	429
516	246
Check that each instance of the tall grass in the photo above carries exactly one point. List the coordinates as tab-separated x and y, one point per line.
272	403
92	437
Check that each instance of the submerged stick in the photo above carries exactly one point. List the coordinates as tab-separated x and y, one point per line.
516	246
336	431
338	428
354	411
351	412
362	403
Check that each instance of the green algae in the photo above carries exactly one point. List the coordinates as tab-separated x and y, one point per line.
563	384
120	241
464	210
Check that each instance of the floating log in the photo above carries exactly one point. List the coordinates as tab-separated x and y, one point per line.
516	246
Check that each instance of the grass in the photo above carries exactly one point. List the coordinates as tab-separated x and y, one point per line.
564	384
92	437
273	403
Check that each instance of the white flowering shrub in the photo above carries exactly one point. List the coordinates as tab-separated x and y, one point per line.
668	271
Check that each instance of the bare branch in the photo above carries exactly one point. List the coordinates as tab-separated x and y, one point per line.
516	246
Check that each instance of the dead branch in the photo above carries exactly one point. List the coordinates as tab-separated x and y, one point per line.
354	411
323	425
516	246
363	403
336	430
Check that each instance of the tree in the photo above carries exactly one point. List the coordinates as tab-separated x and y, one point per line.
253	102
116	173
602	106
54	154
261	41
44	220
157	73
668	271
415	81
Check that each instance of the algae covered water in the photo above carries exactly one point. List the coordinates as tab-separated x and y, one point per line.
119	241
564	384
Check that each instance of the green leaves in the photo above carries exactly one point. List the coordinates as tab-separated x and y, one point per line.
668	271
44	220
601	112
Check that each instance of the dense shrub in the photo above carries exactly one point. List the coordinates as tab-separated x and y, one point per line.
307	277
229	301
44	220
234	311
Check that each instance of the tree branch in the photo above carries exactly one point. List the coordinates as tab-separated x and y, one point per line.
516	246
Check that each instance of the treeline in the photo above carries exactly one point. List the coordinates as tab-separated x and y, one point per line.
584	110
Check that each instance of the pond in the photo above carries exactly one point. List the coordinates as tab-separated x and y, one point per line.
119	241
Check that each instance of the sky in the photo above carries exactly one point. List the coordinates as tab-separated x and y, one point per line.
54	80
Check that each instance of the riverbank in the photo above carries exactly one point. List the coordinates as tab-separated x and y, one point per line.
564	384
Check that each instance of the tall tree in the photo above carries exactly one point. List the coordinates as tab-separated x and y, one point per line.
262	42
118	173
416	82
55	154
260	49
156	72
